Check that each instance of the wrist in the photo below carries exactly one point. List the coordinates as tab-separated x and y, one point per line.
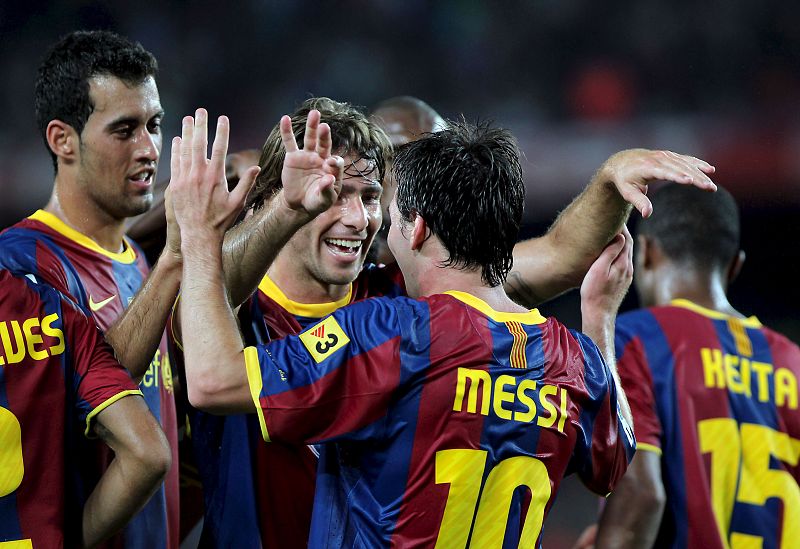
288	214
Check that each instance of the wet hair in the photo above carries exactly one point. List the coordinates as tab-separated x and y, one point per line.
62	83
351	134
466	183
694	227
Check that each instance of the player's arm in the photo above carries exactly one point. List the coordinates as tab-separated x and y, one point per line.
556	262
252	245
602	291
632	513
204	208
142	458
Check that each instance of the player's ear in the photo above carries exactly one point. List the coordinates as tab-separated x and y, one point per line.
419	232
62	139
736	266
643	252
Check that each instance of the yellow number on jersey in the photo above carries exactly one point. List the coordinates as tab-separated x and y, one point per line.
463	471
742	455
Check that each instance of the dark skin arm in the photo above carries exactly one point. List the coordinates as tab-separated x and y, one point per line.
556	262
633	511
142	458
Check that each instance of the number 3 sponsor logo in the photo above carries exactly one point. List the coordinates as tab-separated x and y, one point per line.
323	339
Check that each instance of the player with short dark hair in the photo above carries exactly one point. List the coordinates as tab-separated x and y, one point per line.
320	270
98	107
714	394
59	381
438	192
399	389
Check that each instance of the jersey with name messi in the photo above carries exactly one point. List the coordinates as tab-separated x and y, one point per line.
440	420
104	283
717	396
56	374
256	492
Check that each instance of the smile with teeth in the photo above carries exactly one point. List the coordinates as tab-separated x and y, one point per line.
342	246
142	176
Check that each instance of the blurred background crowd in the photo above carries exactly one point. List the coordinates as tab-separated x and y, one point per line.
575	80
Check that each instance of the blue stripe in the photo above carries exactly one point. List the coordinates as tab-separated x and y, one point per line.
661	362
756	520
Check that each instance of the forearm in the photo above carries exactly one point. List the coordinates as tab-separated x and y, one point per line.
136	335
213	349
125	487
587	225
252	245
548	266
633	511
599	326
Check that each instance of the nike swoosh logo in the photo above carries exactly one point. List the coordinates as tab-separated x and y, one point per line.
97	306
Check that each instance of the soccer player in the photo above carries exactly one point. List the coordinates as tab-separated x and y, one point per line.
58	381
320	270
98	109
403	118
437	411
714	394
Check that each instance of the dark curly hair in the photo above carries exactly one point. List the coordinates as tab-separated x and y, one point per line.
62	83
466	183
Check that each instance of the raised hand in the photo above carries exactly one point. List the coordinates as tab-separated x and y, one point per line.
608	279
632	170
199	192
311	176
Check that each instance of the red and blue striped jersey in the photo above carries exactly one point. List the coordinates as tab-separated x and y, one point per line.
717	396
56	374
104	283
440	420
257	492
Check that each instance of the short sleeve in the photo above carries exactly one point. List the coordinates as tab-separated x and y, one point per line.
99	379
634	373
332	381
606	446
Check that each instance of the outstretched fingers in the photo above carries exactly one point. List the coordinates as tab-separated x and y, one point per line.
287	135
325	143
310	135
200	139
219	150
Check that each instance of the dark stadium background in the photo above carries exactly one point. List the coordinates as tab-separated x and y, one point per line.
575	81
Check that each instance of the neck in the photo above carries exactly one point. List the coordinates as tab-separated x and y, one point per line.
86	217
432	279
706	289
298	285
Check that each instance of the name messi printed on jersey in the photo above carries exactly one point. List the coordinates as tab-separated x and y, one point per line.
28	339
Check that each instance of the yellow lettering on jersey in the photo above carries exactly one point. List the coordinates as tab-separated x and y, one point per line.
478	379
738	374
785	388
166	373
48	330
33	339
712	367
12	356
507	403
550	419
28	339
763	371
324	339
501	396
526	400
